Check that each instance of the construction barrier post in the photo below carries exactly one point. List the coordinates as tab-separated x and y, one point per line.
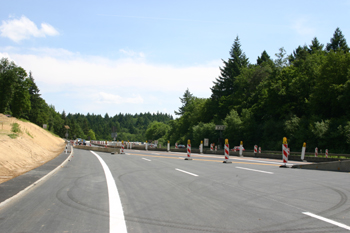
122	149
316	152
284	152
146	145
255	150
188	150
326	152
241	149
168	146
303	151
259	150
201	148
176	145
227	152
216	148
211	147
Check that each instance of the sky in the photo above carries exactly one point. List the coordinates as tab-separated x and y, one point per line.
140	56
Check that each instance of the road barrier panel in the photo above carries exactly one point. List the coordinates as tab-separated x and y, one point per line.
259	150
201	148
188	150
303	149
241	149
122	149
285	152
211	147
216	148
326	153
227	152
168	146
255	149
176	145
316	152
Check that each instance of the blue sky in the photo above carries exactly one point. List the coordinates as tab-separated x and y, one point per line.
140	56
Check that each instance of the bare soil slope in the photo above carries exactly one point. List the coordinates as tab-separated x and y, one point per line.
33	147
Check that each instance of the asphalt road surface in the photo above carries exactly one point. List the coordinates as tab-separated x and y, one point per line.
145	191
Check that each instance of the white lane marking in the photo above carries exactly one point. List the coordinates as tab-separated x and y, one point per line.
327	220
254	170
116	214
155	153
186	172
147	159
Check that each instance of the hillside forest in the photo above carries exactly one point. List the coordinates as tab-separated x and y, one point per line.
304	96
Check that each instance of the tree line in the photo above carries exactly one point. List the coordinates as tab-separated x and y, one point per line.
20	97
304	96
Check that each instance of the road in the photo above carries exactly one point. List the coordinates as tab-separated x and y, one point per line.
162	192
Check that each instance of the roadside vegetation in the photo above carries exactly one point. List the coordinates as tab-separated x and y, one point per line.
304	96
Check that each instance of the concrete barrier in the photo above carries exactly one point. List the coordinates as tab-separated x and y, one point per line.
341	166
101	149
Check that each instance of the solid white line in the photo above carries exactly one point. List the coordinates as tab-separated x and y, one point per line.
254	170
186	172
147	159
155	153
116	214
328	220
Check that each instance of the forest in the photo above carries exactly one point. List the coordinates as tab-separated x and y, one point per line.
304	96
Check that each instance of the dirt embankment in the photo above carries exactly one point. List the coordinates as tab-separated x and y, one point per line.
32	147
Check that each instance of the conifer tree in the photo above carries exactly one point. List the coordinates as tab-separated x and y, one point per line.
338	42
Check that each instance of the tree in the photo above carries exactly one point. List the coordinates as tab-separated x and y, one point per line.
338	42
91	134
315	46
156	130
223	85
264	58
187	98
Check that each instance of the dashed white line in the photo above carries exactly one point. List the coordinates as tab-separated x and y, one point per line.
146	159
328	220
254	170
186	172
116	213
155	153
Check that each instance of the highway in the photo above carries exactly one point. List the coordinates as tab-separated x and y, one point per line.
148	191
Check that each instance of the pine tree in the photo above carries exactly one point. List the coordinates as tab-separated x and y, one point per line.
187	98
315	46
338	42
223	86
264	57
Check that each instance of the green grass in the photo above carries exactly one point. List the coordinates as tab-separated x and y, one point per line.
52	133
16	128
29	134
13	135
24	120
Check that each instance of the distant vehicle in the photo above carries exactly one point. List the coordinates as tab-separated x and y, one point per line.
237	148
181	146
152	145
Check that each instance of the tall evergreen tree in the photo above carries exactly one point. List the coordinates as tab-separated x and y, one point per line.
315	46
224	84
185	100
264	57
338	42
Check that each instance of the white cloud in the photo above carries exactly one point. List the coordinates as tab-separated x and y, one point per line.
303	27
79	83
107	98
24	28
131	53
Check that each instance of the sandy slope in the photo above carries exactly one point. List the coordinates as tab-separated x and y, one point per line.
34	147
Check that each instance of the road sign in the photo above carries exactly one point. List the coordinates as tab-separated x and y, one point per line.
114	135
206	141
220	127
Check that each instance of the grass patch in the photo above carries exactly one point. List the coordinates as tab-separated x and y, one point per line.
13	135
24	120
52	133
16	128
29	134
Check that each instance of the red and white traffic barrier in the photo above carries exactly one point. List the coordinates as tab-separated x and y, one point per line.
201	148
255	149
285	152
259	150
316	152
326	153
188	150
227	152
176	146
122	148
211	147
216	148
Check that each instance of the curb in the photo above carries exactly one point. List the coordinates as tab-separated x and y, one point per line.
2	204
